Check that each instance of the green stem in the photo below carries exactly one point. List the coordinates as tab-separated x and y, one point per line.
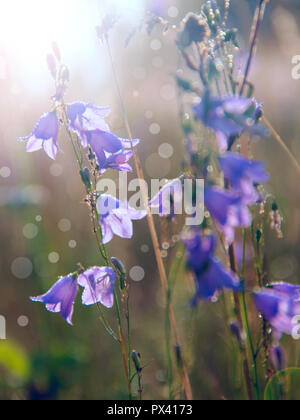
123	346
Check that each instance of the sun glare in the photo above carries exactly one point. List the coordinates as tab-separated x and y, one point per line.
28	28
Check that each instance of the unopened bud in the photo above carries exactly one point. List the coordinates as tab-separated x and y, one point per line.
136	360
237	333
86	178
278	357
65	75
121	270
195	29
56	51
51	65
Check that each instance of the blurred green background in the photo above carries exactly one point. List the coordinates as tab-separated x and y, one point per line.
45	226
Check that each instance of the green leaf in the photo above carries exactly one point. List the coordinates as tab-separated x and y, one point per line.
14	360
284	386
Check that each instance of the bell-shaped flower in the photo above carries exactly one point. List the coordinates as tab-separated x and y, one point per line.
228	117
280	306
211	276
98	283
227	210
44	135
87	117
243	175
61	297
116	217
117	161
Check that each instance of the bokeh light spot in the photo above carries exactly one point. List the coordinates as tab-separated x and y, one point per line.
53	257
166	151
30	231
137	274
22	268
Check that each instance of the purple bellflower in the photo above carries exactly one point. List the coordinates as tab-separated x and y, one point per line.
228	211
116	217
44	135
243	175
168	199
228	117
210	275
279	305
87	117
98	283
61	297
117	160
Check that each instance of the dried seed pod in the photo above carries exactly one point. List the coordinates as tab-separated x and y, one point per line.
194	29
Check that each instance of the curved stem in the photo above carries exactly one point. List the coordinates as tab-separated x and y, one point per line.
153	233
258	19
281	143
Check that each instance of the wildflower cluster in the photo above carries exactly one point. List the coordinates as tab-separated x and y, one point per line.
217	124
104	151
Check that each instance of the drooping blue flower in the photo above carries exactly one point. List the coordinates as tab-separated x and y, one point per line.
98	283
116	217
210	275
228	117
44	135
279	304
243	175
61	297
117	161
228	211
85	117
168	199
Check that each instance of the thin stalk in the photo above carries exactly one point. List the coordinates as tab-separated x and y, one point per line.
153	233
258	19
246	320
238	312
128	334
123	345
282	144
104	254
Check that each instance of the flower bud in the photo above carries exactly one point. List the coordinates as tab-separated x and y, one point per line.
86	178
136	360
278	357
56	51
121	270
51	65
237	333
195	29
